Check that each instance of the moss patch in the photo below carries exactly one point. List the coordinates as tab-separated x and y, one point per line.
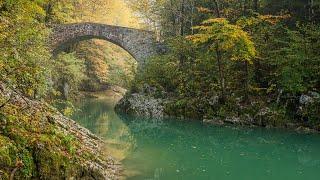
34	146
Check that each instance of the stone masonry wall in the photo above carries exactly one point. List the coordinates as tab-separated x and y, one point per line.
140	44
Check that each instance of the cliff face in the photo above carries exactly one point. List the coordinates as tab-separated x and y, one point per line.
37	142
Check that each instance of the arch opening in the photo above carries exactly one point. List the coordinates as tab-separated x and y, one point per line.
65	45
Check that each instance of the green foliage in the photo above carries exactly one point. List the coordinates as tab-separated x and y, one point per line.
245	57
68	141
31	142
23	51
7	148
106	64
297	68
155	76
60	11
25	63
27	138
28	163
67	73
230	40
312	112
226	42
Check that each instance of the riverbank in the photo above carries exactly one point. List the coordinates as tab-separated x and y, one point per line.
96	113
257	113
112	93
185	149
37	142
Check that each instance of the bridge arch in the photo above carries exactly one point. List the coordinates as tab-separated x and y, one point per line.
140	44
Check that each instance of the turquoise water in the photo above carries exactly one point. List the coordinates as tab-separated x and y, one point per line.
188	150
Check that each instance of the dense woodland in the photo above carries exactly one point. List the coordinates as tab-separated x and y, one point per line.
223	58
257	60
27	64
32	80
248	54
239	58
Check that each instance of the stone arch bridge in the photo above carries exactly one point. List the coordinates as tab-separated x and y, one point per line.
140	44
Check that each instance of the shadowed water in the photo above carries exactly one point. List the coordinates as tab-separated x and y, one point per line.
188	150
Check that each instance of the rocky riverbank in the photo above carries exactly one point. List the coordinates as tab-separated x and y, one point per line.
37	142
144	104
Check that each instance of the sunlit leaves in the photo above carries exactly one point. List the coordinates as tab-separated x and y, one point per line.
229	39
67	69
23	50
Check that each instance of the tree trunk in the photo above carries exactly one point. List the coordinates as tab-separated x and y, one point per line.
66	89
311	11
256	5
173	30
192	14
216	3
182	11
246	84
48	12
221	74
246	6
219	58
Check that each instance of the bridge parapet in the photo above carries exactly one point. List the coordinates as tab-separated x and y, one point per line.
140	44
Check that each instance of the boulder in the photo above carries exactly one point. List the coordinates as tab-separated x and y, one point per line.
213	121
309	98
141	105
233	120
305	99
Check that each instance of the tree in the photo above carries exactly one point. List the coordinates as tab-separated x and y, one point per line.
68	73
227	42
23	50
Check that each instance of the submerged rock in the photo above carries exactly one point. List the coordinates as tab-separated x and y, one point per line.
141	105
213	121
302	129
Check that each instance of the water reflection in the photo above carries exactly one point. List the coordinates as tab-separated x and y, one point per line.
98	116
172	149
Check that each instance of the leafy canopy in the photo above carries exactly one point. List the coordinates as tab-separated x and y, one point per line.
224	37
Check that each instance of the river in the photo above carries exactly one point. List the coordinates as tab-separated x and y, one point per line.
188	150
